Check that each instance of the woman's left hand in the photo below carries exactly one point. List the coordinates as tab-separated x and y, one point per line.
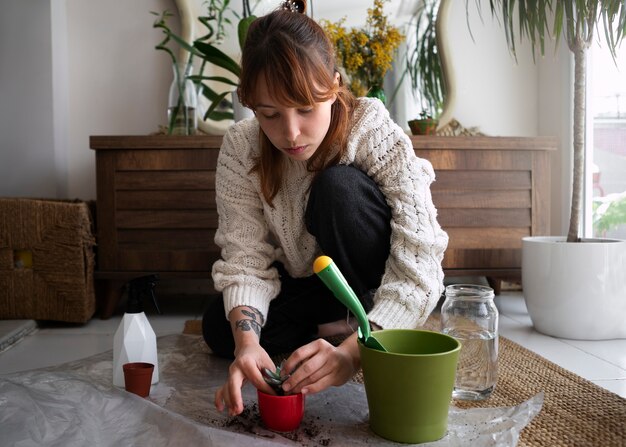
319	365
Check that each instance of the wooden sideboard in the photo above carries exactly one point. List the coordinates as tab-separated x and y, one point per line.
156	204
489	192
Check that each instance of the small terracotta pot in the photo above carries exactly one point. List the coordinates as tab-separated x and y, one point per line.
138	377
281	413
423	126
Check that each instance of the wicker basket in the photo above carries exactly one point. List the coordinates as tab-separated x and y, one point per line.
46	260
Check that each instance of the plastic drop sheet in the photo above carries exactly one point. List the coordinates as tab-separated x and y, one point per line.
75	404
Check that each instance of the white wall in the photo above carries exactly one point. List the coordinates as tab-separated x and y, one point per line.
27	153
118	81
87	67
494	92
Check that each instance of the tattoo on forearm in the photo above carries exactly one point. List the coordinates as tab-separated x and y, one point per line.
253	323
249	325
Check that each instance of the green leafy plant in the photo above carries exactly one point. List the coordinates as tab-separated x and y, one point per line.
205	48
422	60
209	53
274	379
609	212
423	64
576	22
424	115
180	78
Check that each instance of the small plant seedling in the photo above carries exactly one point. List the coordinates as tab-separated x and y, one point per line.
274	379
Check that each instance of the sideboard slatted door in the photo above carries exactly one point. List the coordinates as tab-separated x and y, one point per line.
490	192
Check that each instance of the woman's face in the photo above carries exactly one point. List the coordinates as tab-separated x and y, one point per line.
295	131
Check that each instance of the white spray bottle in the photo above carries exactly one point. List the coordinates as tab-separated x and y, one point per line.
135	340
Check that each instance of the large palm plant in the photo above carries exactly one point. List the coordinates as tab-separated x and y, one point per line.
575	21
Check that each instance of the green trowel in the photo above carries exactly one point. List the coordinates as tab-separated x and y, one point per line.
330	275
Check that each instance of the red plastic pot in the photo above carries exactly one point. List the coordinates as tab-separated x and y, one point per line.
281	413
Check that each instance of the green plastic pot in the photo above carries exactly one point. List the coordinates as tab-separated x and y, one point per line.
409	388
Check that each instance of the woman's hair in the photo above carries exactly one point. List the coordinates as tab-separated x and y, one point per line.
292	54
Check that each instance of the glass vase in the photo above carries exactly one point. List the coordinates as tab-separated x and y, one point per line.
240	112
182	102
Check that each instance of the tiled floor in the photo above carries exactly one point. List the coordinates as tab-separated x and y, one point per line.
602	362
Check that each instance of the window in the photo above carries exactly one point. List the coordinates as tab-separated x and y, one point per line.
605	204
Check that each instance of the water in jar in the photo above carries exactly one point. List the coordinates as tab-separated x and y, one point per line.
477	369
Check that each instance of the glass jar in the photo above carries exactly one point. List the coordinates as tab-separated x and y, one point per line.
182	102
470	315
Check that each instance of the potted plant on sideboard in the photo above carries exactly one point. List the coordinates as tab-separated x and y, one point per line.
216	55
203	53
573	287
424	125
366	53
428	65
424	66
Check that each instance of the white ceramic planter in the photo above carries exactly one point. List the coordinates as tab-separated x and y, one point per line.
575	290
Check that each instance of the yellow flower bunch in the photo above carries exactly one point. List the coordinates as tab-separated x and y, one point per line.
365	54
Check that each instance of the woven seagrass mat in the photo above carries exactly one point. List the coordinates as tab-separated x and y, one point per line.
575	412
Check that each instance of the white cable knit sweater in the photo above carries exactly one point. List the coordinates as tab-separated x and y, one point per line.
252	234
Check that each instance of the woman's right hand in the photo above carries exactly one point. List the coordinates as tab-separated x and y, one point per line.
247	366
250	359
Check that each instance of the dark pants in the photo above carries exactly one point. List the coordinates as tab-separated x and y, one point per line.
350	219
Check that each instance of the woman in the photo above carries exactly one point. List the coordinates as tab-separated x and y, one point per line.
317	171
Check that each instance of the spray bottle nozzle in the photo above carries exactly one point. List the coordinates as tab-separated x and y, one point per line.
138	288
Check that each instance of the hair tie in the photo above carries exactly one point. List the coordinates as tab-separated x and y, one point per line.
298	6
